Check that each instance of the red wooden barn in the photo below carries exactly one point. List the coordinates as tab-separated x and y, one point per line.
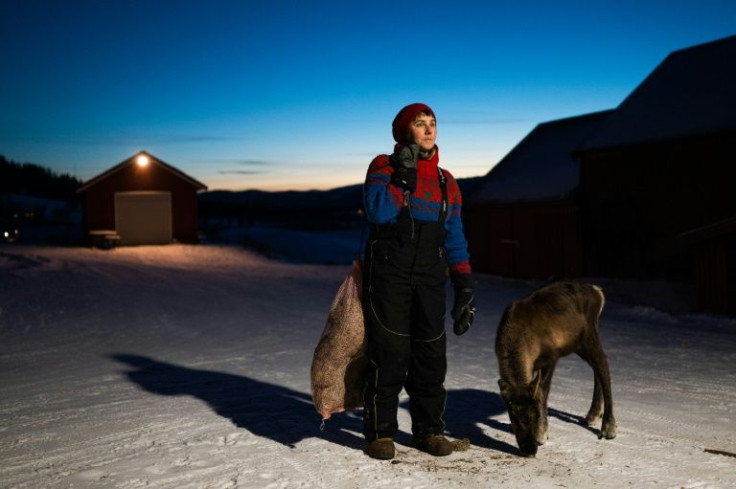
142	200
658	180
647	190
523	218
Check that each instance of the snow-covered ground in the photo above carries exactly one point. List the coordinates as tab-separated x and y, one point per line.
188	367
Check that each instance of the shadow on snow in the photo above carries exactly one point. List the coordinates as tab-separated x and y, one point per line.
287	416
466	412
267	410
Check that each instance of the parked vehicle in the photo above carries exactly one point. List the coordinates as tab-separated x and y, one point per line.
9	231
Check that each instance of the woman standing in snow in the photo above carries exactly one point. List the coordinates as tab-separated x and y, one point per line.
416	236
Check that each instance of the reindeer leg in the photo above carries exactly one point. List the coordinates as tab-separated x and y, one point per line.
608	426
546	385
596	405
602	397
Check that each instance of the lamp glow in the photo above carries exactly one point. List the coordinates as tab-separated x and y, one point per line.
142	160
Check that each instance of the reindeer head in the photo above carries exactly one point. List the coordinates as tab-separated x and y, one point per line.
524	404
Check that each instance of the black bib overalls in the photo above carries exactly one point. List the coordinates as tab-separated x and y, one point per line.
404	302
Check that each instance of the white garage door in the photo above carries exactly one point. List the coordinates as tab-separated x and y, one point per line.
143	217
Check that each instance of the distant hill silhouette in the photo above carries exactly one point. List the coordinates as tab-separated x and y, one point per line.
312	209
301	209
334	208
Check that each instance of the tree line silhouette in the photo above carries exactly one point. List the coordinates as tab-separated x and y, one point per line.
35	180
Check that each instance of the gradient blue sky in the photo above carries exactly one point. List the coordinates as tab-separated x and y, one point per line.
277	94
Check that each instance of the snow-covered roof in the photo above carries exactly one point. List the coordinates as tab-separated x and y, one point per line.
692	92
541	166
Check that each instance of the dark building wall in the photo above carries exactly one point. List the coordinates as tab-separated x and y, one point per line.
715	275
99	199
714	251
530	240
638	199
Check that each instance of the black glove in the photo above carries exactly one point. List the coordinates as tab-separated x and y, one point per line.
463	311
404	161
405	178
405	156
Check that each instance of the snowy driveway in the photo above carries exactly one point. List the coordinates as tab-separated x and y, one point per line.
188	367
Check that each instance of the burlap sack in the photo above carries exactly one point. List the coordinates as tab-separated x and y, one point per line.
338	365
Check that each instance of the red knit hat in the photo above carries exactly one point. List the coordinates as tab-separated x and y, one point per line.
405	117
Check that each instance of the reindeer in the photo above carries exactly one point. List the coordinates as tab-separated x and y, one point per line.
553	321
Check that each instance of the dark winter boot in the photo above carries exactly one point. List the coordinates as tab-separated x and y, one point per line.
382	449
436	445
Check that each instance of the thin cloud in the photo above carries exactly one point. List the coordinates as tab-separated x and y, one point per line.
240	172
365	154
253	162
199	139
237	163
483	121
145	139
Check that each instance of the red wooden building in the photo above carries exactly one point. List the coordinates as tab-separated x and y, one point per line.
142	200
659	177
523	218
714	250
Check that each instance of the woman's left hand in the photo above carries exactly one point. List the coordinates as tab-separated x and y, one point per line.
463	311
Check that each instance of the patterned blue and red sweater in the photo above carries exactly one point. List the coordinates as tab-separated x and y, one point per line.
383	202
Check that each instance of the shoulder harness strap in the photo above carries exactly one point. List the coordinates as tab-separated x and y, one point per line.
443	188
